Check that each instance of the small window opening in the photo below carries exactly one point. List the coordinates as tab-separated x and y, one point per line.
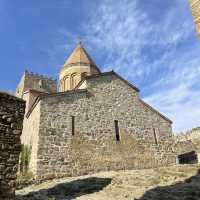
188	158
117	130
73	125
40	84
83	75
155	136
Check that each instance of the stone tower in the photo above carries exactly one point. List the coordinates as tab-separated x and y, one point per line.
195	7
77	66
32	85
40	83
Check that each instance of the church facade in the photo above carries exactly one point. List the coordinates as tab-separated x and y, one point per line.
96	122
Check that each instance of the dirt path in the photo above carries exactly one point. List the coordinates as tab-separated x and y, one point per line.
177	183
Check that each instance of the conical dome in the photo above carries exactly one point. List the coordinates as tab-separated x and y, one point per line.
78	65
79	56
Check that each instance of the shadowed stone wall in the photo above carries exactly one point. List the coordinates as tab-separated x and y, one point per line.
11	118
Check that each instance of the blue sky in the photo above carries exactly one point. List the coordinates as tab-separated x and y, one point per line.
152	43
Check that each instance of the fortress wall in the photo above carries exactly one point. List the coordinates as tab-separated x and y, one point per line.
11	117
93	147
193	134
190	141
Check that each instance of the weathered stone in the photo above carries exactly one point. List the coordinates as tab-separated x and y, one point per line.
9	142
100	125
48	130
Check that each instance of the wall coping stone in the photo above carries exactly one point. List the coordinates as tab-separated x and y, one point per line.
10	96
42	96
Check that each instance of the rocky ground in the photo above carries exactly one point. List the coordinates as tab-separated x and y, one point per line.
170	183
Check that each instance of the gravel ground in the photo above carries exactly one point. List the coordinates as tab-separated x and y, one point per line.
170	183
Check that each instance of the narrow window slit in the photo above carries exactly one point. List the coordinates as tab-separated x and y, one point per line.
155	136
117	130
73	125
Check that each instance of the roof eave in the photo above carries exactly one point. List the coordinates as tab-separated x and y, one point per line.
41	96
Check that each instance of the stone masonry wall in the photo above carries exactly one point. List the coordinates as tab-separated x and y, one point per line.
191	138
35	82
94	146
30	136
11	117
193	134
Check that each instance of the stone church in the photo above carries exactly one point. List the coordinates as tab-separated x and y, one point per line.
95	122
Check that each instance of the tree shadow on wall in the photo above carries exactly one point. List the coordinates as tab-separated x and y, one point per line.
69	190
186	190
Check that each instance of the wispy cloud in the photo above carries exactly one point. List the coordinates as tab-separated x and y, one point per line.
161	55
153	47
177	93
124	32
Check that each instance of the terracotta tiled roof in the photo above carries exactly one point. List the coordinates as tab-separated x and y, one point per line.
79	56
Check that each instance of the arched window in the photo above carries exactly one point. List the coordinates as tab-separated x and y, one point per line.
66	83
40	83
83	75
74	80
62	85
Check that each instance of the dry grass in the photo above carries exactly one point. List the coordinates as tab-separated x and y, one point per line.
172	182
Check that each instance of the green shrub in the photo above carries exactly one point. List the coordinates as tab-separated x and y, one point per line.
24	180
25	177
25	159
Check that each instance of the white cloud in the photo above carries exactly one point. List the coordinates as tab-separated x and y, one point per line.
177	94
147	52
123	31
181	104
120	32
